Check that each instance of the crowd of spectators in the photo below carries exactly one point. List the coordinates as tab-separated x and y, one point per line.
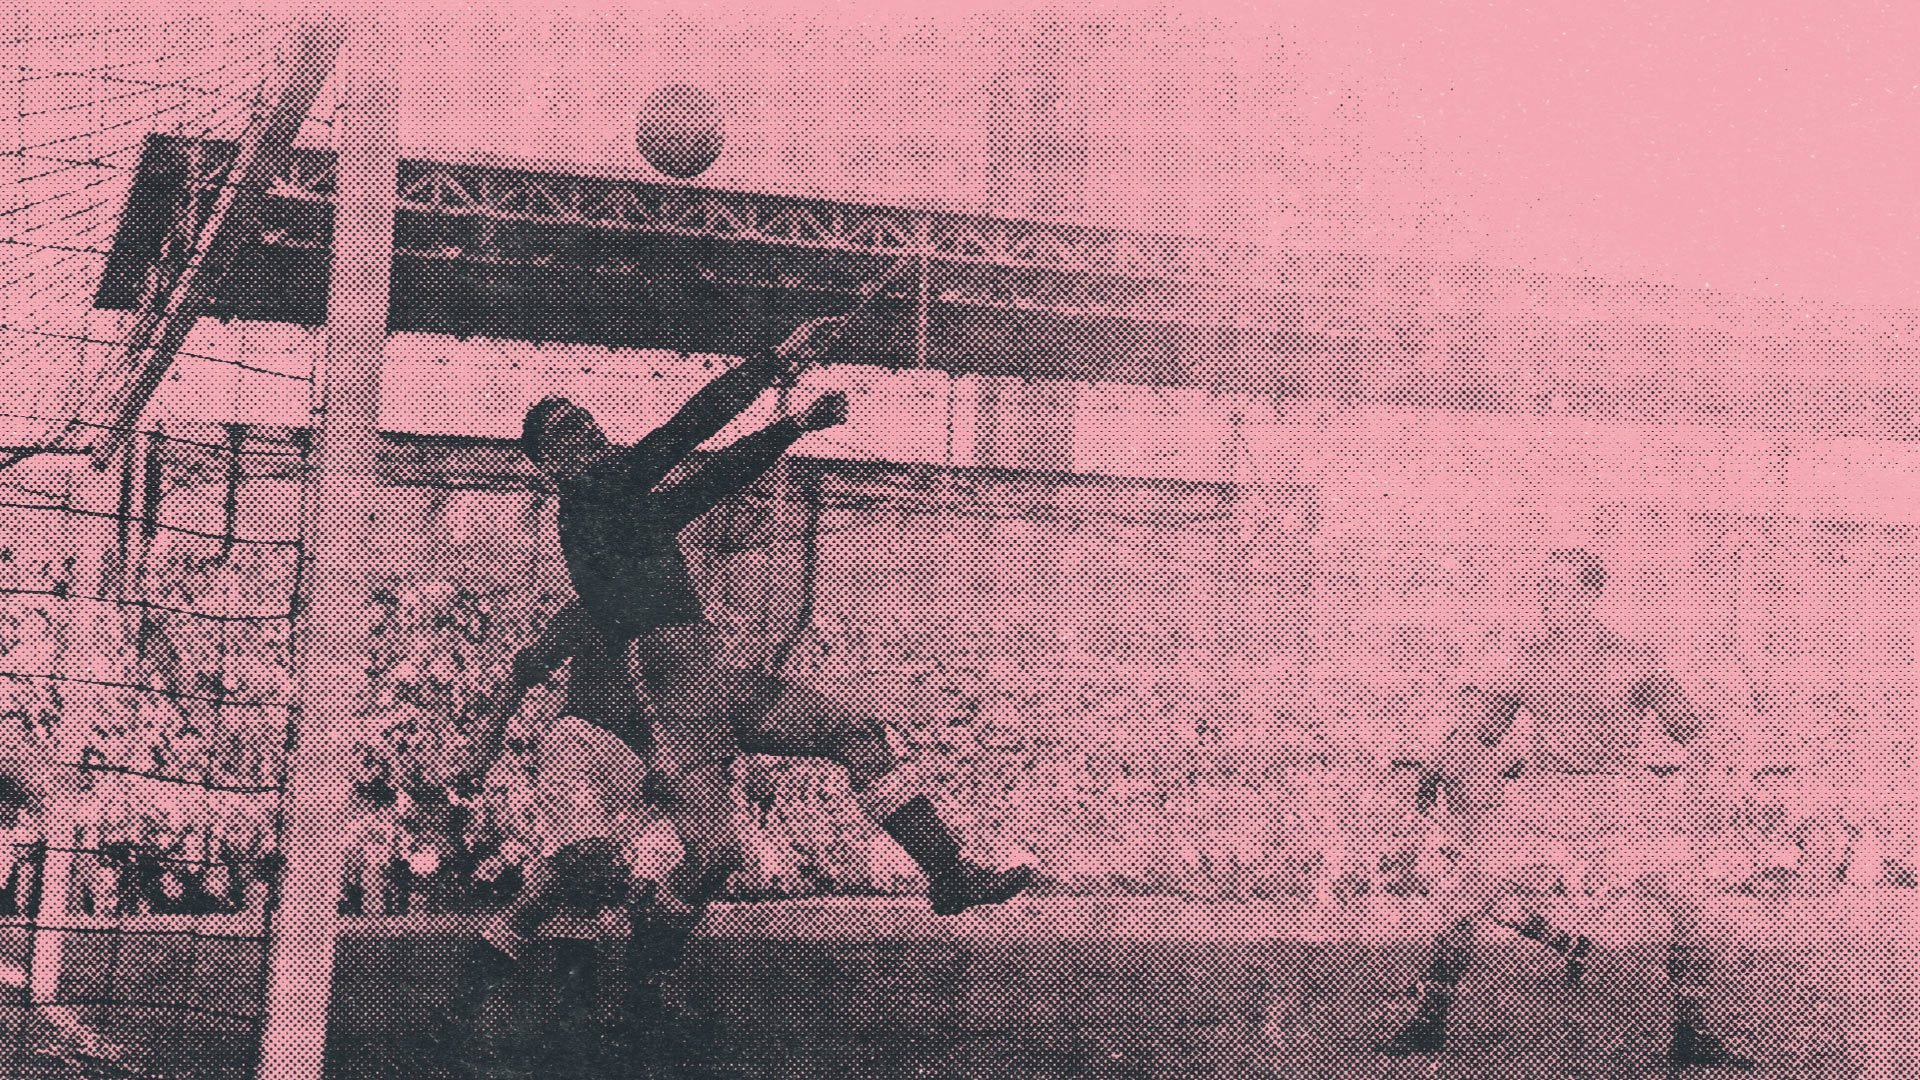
1121	775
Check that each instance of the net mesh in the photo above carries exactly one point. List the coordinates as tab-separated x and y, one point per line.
1076	645
88	106
145	607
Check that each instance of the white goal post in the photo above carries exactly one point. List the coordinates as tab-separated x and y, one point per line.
340	497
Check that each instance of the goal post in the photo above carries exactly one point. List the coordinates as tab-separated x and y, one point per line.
341	499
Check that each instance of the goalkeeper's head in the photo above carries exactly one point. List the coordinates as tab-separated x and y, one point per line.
562	439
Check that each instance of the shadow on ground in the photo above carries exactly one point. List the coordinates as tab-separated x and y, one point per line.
1041	989
796	993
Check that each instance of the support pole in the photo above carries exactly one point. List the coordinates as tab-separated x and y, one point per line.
923	240
56	874
341	517
91	657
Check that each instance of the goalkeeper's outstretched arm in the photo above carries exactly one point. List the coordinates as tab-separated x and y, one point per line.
722	401
744	462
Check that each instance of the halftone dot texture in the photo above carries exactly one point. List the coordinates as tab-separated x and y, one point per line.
680	131
1204	440
145	668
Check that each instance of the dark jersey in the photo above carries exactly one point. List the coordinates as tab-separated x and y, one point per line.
620	532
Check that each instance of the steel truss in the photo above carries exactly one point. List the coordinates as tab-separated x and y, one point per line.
487	216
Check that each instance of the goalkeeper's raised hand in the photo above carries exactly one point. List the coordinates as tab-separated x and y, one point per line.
829	411
811	340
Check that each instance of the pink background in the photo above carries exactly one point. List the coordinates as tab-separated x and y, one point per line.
1659	263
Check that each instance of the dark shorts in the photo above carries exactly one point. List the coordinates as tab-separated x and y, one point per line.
590	874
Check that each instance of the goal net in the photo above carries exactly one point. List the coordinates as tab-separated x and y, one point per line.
146	606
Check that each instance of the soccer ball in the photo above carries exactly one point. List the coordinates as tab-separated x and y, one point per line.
680	131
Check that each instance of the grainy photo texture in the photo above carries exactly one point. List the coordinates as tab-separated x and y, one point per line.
977	541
